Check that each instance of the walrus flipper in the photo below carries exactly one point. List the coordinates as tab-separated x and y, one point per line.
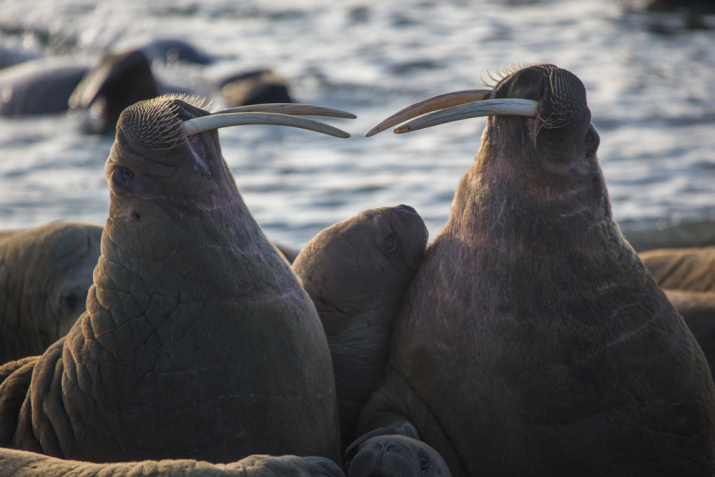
15	378
27	464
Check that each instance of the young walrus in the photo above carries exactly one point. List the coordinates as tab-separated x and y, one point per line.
356	272
532	341
198	341
45	273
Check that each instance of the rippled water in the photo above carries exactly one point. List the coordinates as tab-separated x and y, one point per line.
651	97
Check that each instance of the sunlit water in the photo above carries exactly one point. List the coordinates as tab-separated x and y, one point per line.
651	97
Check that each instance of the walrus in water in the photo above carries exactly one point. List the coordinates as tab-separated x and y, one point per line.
532	341
356	272
45	274
198	341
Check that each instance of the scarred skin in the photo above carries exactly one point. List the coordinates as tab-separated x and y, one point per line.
198	341
356	272
690	269
532	341
45	273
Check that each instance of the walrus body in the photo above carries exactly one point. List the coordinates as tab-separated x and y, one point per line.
698	311
690	269
38	87
532	341
29	464
356	272
198	341
45	274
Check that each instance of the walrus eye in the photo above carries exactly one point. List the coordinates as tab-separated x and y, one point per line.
69	301
424	462
391	244
122	176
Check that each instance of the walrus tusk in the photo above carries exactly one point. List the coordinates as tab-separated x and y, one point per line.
442	101
215	121
492	107
291	109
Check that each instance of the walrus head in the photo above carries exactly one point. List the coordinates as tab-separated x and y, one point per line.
539	144
192	314
167	157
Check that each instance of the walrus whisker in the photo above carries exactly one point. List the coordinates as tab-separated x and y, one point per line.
493	107
215	121
442	101
290	109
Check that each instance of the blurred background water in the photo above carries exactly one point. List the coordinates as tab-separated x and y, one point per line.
649	80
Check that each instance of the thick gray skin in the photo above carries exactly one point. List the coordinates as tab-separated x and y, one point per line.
356	272
45	274
198	341
690	269
698	311
532	341
16	463
38	87
397	455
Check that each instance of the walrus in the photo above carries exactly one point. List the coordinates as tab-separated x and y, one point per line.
55	86
38	87
532	340
45	274
198	341
29	464
690	269
356	272
397	455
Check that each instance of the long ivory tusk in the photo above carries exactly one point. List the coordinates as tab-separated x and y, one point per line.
442	101
493	107
215	121
290	108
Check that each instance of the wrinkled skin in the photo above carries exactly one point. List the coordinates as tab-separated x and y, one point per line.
698	311
690	269
16	463
198	341
532	341
45	274
397	456
356	272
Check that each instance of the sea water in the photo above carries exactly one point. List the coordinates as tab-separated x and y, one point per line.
651	96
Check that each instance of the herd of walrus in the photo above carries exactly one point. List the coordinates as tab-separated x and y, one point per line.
527	338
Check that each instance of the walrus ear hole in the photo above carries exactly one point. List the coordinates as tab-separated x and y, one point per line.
391	244
592	141
69	301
